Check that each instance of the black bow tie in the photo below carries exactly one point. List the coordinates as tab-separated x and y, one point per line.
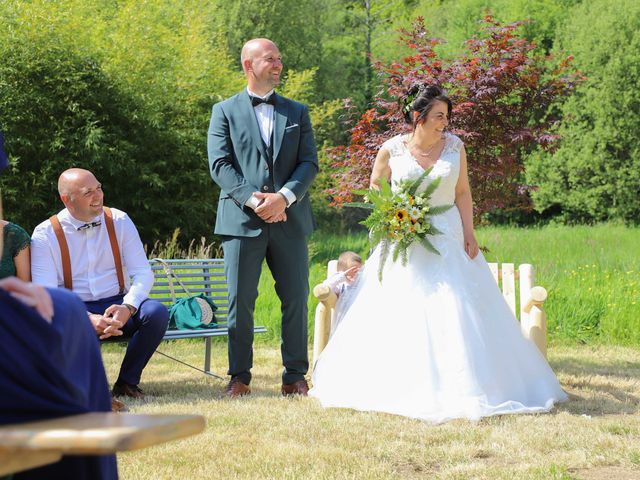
89	225
255	101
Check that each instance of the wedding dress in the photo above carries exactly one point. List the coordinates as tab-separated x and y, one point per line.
435	340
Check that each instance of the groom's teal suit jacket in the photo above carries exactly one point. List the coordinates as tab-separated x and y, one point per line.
239	164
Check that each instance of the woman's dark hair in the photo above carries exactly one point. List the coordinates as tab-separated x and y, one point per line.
421	98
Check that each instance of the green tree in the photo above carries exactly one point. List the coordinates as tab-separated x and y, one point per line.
595	173
58	111
294	25
121	88
456	20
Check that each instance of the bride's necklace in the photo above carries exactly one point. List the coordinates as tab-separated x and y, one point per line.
428	152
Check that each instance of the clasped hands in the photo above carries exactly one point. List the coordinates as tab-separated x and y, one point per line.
110	323
271	207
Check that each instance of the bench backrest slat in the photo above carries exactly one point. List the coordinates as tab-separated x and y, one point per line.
204	275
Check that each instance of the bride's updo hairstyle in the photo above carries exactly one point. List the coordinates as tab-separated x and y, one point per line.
421	98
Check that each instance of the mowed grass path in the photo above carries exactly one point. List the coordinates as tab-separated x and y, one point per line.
595	435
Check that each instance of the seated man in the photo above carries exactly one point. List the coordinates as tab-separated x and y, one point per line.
86	248
50	366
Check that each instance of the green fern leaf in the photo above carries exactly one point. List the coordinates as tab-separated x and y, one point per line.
431	188
429	246
413	188
384	253
439	209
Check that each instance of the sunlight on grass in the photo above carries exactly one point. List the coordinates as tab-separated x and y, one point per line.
591	274
267	436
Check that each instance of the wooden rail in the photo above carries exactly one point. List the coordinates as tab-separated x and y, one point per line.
531	314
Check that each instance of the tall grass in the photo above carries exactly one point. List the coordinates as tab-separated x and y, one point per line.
591	273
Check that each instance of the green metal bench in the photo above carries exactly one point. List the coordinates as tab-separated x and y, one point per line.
201	275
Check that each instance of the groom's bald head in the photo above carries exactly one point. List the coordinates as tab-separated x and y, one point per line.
254	48
262	65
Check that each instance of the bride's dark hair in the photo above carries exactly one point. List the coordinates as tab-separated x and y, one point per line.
421	98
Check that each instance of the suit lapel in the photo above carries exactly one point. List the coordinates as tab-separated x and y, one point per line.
252	122
280	121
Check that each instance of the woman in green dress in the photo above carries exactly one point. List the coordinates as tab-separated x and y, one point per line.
16	258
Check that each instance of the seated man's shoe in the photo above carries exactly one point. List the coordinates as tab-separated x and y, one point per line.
236	388
126	390
117	406
296	388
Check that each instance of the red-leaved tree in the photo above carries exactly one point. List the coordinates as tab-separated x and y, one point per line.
501	90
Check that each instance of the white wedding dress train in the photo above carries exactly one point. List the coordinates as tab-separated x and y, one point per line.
434	340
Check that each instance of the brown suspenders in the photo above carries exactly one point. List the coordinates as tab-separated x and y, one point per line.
115	249
64	252
64	249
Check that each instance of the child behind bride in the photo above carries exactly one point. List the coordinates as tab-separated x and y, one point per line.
349	263
348	266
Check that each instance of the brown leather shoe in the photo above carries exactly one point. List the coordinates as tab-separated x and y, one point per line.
117	406
236	388
126	390
296	388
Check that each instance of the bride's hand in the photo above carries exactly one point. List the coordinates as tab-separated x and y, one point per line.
470	244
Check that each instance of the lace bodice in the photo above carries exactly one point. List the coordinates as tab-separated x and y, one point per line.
404	166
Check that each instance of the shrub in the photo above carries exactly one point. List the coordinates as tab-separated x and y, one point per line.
501	92
594	175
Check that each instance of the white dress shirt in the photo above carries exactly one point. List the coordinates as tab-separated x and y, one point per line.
264	116
93	269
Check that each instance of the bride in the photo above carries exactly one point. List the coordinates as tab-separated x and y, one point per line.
434	339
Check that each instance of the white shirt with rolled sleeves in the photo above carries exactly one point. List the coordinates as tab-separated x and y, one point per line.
92	266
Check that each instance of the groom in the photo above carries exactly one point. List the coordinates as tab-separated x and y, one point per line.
263	156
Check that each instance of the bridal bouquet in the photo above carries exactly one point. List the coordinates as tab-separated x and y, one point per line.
399	218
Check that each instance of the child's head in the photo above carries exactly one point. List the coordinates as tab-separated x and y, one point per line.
348	259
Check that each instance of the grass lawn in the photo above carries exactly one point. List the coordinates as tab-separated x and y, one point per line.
594	303
596	435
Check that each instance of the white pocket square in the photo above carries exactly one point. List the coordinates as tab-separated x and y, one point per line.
291	126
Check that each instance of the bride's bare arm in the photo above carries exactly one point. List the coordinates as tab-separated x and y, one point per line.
464	203
381	169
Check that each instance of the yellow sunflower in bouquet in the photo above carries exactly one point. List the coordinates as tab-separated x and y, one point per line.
399	218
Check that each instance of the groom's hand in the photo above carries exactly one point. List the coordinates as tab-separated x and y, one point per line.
272	207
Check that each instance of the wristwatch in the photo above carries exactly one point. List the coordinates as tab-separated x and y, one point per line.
131	308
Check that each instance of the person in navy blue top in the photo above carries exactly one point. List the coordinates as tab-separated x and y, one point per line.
51	369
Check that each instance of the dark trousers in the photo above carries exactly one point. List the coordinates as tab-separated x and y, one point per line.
145	329
288	261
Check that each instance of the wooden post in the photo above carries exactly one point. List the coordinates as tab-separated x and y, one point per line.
509	285
537	325
494	271
322	323
526	282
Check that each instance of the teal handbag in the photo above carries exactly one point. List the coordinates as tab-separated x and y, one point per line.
193	312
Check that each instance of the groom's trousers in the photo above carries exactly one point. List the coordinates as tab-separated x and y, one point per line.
287	258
